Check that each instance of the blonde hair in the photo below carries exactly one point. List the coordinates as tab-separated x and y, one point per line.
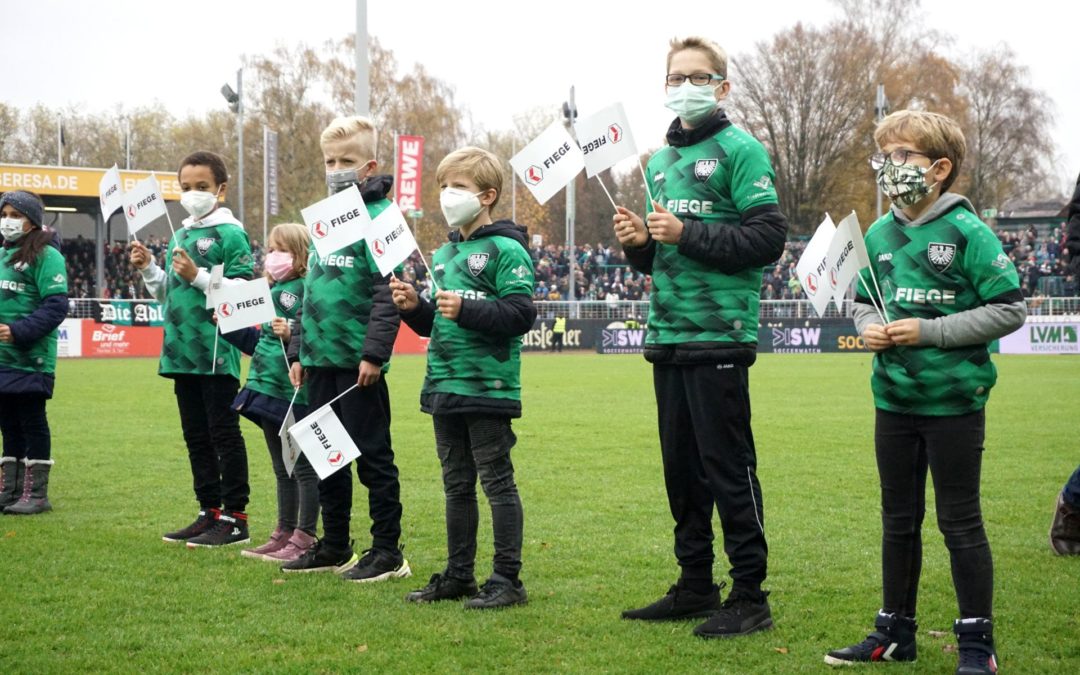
293	238
716	54
479	165
936	135
359	130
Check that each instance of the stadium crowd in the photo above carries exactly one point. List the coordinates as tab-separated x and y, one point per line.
602	273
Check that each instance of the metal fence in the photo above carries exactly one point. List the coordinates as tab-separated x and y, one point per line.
1039	309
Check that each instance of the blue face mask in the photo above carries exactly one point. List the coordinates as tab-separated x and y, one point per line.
693	104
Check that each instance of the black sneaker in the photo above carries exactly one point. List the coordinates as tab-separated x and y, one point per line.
376	565
231	528
498	593
442	587
204	521
322	558
892	640
975	638
741	614
679	603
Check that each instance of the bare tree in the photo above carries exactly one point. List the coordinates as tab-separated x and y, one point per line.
1010	149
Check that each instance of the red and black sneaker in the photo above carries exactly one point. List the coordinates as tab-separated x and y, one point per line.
205	520
231	528
893	640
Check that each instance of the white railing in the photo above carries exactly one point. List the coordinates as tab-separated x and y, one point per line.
1040	309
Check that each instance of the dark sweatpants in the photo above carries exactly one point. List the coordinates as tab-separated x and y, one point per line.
709	459
365	414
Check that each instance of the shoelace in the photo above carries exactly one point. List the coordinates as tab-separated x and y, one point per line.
28	484
974	656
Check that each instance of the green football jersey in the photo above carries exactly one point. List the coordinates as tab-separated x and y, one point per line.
338	294
190	333
22	288
712	181
467	362
948	265
269	373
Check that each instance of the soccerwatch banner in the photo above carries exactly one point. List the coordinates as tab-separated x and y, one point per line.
549	163
410	166
337	221
245	304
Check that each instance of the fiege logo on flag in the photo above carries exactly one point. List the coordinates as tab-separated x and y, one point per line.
225	309
534	175
319	229
335	458
548	162
337	221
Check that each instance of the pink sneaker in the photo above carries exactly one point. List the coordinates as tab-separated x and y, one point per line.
298	545
278	540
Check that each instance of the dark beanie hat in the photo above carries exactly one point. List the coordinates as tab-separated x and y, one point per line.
25	203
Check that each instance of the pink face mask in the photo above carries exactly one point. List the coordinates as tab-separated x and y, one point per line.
279	264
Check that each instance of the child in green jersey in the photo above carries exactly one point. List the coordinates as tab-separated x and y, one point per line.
713	224
205	371
948	291
33	303
266	395
473	389
345	338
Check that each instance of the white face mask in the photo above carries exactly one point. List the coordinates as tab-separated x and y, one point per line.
12	228
459	207
690	102
198	203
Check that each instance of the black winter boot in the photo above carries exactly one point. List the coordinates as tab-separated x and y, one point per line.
35	489
11	474
975	638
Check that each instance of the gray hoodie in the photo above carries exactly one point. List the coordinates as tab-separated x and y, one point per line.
974	326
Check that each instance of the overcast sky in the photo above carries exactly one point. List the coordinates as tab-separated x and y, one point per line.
501	57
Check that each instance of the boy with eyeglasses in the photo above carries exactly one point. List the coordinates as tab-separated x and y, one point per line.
948	291
713	224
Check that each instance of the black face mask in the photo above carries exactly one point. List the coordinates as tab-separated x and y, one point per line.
336	181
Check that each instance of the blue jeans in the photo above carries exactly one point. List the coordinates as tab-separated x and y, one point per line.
472	446
1072	489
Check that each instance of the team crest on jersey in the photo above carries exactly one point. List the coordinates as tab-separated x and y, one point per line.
763	183
704	168
20	267
204	244
941	255
287	300
477	263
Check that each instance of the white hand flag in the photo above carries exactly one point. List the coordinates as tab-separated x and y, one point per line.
244	304
847	255
143	204
389	239
337	221
547	164
813	266
110	193
290	451
324	441
605	139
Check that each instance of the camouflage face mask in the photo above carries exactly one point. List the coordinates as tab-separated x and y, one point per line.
904	184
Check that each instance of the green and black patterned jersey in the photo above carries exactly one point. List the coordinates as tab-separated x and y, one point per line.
951	264
188	347
338	296
471	363
712	181
268	373
22	288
